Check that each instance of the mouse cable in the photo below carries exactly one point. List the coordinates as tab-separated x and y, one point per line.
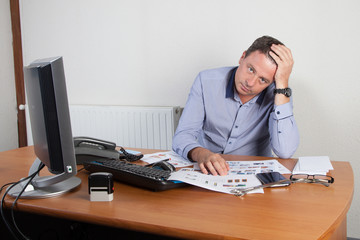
2	207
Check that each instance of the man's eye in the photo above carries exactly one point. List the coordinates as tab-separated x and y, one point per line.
251	69
263	80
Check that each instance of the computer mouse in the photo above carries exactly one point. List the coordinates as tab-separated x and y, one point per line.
164	165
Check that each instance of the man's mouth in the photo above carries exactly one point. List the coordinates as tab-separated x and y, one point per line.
244	88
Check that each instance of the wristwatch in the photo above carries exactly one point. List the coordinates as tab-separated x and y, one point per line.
285	91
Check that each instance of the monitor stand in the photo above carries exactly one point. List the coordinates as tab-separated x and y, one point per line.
64	184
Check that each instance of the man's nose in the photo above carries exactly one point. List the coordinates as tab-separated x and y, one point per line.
251	81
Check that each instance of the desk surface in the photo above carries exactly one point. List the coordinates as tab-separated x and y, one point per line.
301	211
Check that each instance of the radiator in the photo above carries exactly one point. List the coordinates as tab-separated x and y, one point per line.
128	126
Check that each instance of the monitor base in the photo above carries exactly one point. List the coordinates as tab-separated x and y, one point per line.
45	192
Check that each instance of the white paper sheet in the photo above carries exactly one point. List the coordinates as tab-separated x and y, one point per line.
253	167
222	184
173	158
313	165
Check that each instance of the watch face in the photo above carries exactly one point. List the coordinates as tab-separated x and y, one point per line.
287	92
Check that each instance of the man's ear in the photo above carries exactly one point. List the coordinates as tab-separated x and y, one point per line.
242	57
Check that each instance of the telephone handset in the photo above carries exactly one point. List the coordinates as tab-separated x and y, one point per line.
94	143
88	149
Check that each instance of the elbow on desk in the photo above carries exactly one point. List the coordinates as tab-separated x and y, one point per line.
286	147
285	151
284	155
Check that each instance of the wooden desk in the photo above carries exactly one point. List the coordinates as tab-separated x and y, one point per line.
301	211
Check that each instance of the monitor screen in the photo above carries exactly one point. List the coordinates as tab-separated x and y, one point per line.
51	127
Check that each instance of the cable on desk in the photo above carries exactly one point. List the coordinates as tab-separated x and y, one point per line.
80	169
8	225
5	185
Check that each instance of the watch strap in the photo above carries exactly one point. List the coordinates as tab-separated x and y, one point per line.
286	91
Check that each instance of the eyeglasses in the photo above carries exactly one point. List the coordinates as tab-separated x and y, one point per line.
306	178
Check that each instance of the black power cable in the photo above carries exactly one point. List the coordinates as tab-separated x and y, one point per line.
14	230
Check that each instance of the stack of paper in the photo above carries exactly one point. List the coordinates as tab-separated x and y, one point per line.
313	165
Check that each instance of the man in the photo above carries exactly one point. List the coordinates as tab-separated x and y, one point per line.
244	110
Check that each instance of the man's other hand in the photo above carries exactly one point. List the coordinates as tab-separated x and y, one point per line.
209	162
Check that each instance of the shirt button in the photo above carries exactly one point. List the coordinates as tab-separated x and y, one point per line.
236	126
278	112
229	142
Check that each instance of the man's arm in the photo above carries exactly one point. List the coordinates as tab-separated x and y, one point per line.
191	121
284	135
283	130
185	141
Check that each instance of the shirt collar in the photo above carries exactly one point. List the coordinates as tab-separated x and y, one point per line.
230	88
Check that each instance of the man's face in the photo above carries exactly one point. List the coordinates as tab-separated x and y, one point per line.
255	73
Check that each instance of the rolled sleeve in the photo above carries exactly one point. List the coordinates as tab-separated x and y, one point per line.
191	121
283	131
283	111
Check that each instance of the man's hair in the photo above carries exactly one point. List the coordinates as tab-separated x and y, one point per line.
263	45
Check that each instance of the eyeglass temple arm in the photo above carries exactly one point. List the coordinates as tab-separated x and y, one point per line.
326	183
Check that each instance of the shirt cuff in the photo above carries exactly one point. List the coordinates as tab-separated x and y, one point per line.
283	111
188	149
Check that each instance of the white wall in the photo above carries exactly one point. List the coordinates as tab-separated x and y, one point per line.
148	52
8	113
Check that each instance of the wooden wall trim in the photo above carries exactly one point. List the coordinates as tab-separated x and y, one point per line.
18	70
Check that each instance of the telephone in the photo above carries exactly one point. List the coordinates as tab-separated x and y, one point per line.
88	149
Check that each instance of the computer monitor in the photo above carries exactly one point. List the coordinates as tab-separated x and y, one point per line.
51	128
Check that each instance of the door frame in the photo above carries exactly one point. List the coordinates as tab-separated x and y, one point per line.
18	70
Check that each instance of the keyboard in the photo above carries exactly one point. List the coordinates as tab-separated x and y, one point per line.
140	176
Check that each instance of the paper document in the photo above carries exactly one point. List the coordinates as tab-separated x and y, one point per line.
313	165
253	167
173	158
222	184
240	175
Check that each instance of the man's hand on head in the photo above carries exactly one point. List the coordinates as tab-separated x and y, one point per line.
283	57
209	162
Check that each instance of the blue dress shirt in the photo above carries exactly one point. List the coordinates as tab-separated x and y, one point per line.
215	118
